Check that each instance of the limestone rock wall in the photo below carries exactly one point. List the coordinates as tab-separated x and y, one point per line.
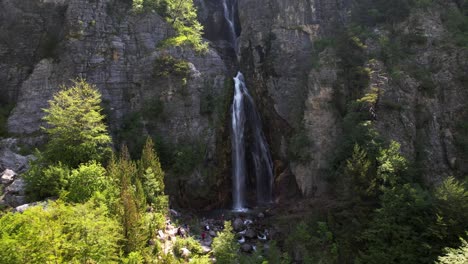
279	55
45	44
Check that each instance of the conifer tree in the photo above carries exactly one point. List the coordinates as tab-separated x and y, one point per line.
151	172
76	129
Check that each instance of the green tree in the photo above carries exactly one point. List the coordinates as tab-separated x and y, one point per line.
128	210
76	129
455	255
451	202
224	246
358	170
151	173
182	15
398	232
60	233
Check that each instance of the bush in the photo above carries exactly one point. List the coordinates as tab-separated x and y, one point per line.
45	182
85	181
166	65
60	233
189	243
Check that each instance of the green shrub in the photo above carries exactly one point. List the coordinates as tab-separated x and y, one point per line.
186	157
166	65
85	181
45	182
60	233
189	243
128	134
182	16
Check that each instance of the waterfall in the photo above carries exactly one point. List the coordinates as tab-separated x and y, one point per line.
245	115
238	146
229	6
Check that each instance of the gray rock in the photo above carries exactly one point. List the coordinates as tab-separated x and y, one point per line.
22	208
207	241
17	187
14	200
205	249
212	233
9	159
247	248
250	233
238	225
185	253
8	176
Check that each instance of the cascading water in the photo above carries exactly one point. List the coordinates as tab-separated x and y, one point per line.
245	115
238	146
229	6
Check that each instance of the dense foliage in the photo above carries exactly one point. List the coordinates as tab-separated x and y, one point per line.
60	233
76	129
182	16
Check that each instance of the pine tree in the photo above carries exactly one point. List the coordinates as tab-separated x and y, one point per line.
130	215
76	129
152	175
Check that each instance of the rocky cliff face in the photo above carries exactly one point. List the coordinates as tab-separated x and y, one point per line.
45	44
297	84
277	45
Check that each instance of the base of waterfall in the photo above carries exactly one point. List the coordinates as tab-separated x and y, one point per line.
240	210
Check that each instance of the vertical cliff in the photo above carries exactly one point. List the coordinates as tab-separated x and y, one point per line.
294	54
173	94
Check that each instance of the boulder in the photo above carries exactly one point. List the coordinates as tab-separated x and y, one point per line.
207	241
185	253
22	208
251	234
213	233
11	160
14	200
8	176
247	248
238	225
205	249
17	187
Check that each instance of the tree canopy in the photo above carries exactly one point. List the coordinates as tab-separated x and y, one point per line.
75	126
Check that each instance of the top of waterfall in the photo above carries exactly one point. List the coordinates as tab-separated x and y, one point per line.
240	77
